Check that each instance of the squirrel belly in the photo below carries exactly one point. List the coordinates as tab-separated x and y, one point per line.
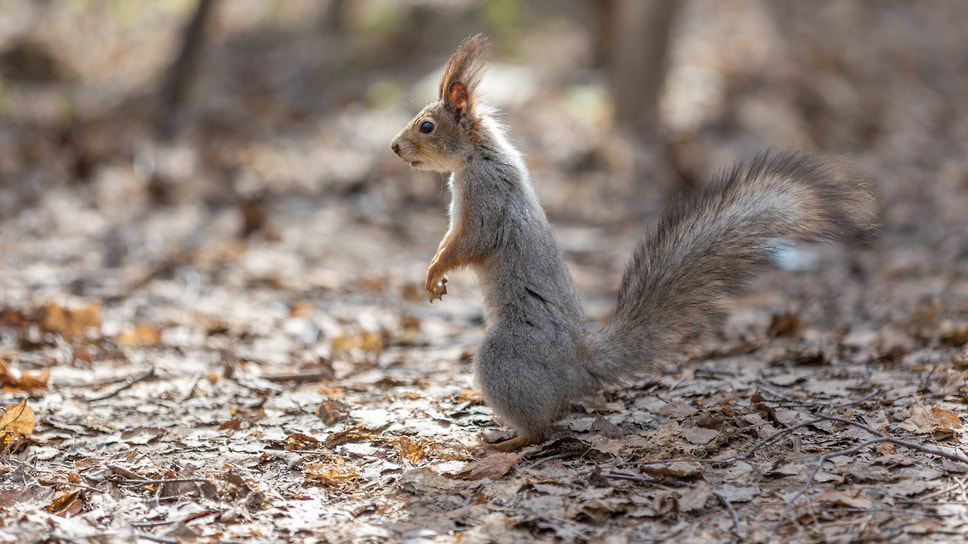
536	357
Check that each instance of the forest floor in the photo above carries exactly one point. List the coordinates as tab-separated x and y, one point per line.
222	336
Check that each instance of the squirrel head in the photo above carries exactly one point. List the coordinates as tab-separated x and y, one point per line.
441	136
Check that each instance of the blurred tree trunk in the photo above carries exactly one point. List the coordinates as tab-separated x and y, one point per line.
631	40
182	71
333	16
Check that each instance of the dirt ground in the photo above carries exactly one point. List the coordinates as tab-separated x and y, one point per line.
222	336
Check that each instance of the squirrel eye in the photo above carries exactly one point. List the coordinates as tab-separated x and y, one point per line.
426	127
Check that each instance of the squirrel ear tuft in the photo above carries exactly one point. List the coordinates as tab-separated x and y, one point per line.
458	85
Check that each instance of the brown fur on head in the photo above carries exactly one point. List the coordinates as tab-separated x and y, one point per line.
439	137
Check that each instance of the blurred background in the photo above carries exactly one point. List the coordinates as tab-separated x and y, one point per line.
177	160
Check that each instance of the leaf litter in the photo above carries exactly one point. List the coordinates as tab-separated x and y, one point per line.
222	337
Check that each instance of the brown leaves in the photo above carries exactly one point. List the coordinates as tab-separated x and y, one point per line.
333	473
492	466
141	335
32	383
16	423
72	320
934	419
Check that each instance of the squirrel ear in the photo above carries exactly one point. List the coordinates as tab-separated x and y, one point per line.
458	84
457	95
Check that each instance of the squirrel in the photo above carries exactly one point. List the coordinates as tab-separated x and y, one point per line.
536	357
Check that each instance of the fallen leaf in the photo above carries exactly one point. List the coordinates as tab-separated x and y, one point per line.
910	487
16	422
141	335
300	441
678	469
739	494
852	499
331	411
140	436
692	500
410	449
72	322
603	427
923	527
699	435
331	473
922	419
28	382
677	409
492	466
66	504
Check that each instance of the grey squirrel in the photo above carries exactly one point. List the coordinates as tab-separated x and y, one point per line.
537	357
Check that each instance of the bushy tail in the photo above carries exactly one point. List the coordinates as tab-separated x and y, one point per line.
707	247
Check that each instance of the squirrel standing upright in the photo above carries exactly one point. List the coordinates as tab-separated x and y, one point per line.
537	357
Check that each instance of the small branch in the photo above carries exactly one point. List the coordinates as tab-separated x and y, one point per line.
729	506
126	385
904	511
630	478
828	407
882	438
153	538
768	440
300	377
169	481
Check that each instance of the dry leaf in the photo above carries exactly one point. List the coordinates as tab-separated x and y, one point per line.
677	469
331	411
71	323
140	436
300	441
699	435
31	383
493	466
16	422
922	419
410	449
368	342
739	494
140	336
692	500
677	410
331	473
66	504
851	499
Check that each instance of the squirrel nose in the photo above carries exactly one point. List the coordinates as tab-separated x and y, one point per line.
395	147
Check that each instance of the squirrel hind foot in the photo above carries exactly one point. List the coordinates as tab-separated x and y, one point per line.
516	443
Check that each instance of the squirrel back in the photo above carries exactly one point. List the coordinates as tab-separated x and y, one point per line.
537	357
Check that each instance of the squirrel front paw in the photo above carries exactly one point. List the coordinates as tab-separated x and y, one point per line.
436	287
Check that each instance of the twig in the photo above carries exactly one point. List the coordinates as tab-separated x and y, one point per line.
828	407
81	486
729	506
300	377
186	519
125	472
127	384
562	455
169	481
882	438
816	468
191	390
904	511
768	440
153	538
715	372
630	477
